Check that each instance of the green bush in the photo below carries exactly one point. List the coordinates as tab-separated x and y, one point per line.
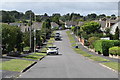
114	50
91	40
102	46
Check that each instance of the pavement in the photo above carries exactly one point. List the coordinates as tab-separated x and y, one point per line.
67	64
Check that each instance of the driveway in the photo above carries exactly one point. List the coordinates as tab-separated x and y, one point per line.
67	65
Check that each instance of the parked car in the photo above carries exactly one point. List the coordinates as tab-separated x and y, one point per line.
52	50
57	34
57	38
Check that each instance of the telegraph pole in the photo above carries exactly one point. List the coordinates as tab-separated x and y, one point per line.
35	36
30	32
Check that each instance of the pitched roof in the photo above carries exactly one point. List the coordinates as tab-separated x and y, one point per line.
53	24
73	23
80	23
37	25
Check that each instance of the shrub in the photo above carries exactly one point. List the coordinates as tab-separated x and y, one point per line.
91	40
114	50
103	46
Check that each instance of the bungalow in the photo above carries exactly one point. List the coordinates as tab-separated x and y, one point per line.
69	24
106	23
54	25
24	28
114	27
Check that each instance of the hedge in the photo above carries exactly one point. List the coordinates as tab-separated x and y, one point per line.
114	50
102	46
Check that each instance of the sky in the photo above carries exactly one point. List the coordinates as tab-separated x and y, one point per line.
85	7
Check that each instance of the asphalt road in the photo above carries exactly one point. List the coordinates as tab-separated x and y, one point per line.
67	65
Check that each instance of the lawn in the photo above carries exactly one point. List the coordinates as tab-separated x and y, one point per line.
34	57
41	54
26	48
15	65
113	65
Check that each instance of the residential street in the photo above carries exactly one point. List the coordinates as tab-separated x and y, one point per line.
67	65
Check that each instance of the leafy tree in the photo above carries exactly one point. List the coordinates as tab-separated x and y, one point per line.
10	35
55	18
113	16
65	17
91	27
75	16
29	15
92	16
102	16
116	36
6	17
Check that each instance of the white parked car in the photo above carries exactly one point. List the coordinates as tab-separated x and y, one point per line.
52	50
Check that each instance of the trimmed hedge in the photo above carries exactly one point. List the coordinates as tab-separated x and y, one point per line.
102	46
114	50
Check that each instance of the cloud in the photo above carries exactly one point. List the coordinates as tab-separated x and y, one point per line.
60	0
63	7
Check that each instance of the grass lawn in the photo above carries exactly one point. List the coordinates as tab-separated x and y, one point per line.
34	57
113	65
26	48
97	58
42	54
15	65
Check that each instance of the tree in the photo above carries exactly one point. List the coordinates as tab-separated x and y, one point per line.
102	16
6	17
55	18
116	36
113	16
11	38
92	16
29	15
65	17
91	27
75	16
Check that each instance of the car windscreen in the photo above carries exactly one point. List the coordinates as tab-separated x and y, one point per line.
51	47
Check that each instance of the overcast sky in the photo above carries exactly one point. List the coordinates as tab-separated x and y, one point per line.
107	7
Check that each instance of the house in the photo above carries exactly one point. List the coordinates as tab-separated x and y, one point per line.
114	27
106	23
37	25
24	27
54	25
80	23
69	24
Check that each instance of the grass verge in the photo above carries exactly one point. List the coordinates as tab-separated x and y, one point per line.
41	54
15	65
32	56
113	65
